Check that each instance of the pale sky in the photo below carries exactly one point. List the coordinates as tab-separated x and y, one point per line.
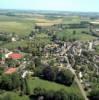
62	5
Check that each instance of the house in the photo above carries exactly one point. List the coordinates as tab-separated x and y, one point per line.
25	73
16	56
7	54
13	39
10	70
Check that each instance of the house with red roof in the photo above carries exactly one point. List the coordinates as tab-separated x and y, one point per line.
10	70
16	56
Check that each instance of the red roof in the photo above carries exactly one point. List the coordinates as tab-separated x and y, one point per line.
15	56
10	70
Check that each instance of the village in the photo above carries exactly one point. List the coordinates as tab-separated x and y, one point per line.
77	56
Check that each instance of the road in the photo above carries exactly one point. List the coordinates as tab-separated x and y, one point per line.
76	79
78	83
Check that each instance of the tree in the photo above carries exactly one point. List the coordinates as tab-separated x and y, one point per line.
49	74
1	70
74	32
60	95
23	87
39	91
10	82
27	87
6	82
37	61
65	77
94	94
16	81
49	95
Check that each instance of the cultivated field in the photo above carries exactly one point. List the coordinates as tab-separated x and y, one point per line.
23	25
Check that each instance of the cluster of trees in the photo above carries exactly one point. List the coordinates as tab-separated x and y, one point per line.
10	62
94	94
54	74
4	38
25	89
10	82
42	94
14	82
71	26
1	70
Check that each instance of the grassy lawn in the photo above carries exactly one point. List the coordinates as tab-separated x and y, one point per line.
36	82
68	33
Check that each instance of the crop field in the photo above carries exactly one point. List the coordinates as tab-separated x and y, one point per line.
74	19
23	25
13	24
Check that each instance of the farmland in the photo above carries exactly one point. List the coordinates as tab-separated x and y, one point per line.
79	35
23	25
13	24
51	45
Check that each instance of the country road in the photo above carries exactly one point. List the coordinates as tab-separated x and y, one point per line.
76	79
79	84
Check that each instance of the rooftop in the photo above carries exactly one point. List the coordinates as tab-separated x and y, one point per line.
15	56
10	70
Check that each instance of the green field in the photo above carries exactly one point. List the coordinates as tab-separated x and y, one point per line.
14	45
22	25
36	82
68	34
74	19
40	39
19	25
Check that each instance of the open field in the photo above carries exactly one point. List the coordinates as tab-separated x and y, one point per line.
74	19
14	24
68	34
23	25
36	82
13	45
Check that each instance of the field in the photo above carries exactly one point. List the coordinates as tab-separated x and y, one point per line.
68	34
23	25
36	82
74	19
14	24
13	45
40	39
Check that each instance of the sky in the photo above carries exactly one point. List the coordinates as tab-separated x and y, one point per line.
59	5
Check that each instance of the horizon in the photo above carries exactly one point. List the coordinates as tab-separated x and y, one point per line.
56	5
